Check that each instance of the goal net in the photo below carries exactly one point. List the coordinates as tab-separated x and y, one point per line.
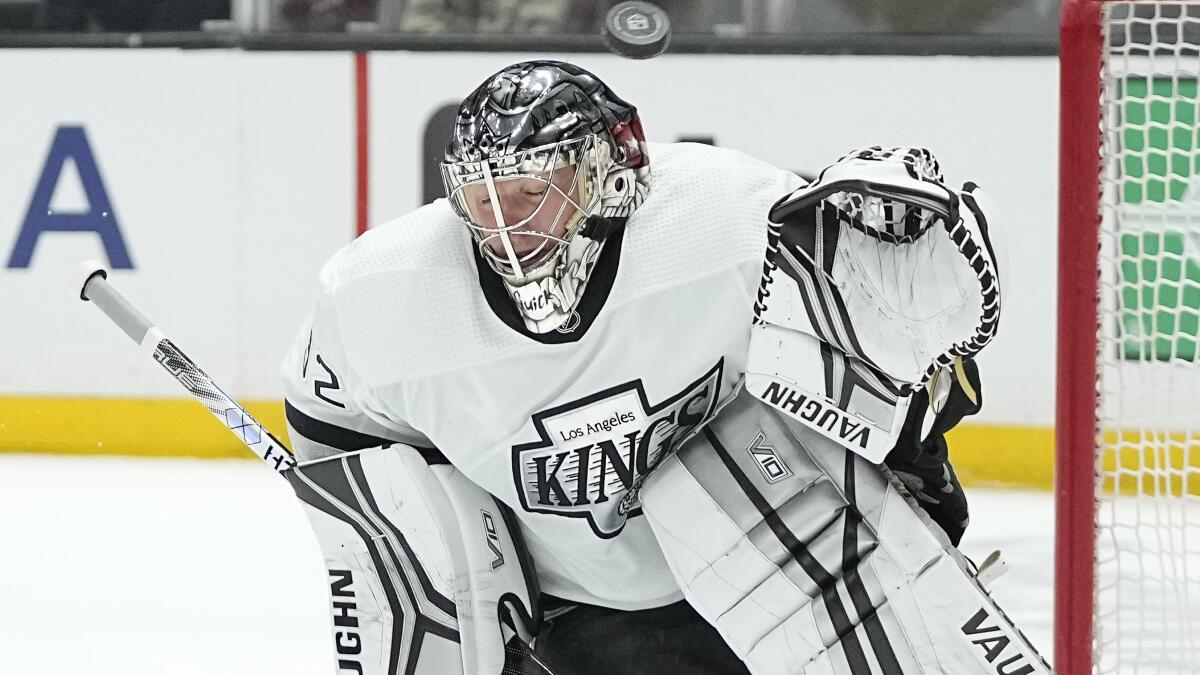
1128	414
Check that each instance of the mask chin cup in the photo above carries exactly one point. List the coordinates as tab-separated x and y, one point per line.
548	301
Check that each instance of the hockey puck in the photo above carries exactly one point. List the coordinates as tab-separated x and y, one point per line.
636	29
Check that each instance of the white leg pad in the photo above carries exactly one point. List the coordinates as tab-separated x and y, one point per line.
808	559
424	568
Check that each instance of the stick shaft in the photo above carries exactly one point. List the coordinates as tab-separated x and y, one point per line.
116	307
253	435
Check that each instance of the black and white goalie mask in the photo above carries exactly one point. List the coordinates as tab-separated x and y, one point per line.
545	163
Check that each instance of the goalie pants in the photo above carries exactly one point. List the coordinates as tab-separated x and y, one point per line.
590	640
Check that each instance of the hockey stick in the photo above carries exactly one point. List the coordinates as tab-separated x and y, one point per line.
94	286
521	659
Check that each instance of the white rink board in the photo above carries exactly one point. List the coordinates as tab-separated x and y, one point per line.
232	176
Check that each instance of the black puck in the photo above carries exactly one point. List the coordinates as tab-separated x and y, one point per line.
636	29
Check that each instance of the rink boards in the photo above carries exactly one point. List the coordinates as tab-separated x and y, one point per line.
218	181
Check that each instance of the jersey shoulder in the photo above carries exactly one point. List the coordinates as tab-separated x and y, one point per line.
706	212
406	299
431	237
696	186
698	161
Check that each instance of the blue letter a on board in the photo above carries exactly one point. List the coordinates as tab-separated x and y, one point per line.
70	143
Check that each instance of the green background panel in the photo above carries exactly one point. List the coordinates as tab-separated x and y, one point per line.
1160	297
1160	139
1160	271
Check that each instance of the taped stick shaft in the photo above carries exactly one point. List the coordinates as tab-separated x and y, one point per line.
253	435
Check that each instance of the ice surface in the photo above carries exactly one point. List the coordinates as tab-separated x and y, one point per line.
144	567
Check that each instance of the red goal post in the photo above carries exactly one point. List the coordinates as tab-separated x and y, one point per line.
1080	44
1127	568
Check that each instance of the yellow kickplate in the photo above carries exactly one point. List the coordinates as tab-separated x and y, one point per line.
1014	456
982	454
138	427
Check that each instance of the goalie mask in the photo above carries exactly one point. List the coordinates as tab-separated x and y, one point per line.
544	164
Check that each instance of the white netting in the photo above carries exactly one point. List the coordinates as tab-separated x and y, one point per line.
1148	512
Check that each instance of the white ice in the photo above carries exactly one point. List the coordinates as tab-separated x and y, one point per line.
145	567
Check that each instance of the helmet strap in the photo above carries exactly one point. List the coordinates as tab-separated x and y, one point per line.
601	228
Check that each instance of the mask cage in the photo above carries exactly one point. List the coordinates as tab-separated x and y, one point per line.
464	180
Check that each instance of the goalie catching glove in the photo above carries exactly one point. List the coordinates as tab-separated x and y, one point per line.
877	279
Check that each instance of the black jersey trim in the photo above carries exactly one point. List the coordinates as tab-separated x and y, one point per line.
348	440
599	284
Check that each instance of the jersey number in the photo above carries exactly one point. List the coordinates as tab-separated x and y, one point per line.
331	383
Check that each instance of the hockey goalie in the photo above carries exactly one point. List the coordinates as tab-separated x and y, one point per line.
792	521
628	408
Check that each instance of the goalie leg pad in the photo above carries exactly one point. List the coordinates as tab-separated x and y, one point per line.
422	563
807	558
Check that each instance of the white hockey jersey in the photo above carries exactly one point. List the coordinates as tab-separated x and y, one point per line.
405	345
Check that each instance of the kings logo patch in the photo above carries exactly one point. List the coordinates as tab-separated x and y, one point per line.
593	453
